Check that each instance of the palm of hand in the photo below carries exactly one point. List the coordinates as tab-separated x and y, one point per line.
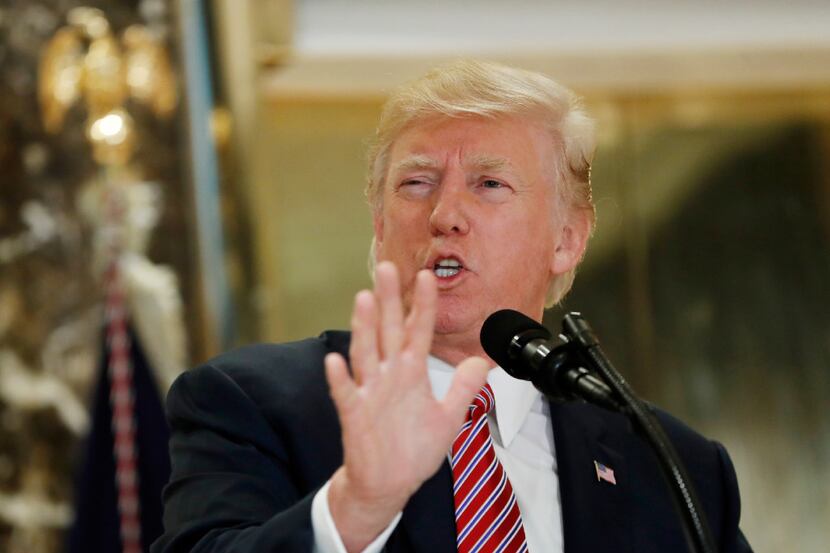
395	433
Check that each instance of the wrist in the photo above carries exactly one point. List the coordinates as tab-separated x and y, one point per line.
358	514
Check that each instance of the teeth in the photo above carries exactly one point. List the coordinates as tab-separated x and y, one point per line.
444	272
447	267
448	263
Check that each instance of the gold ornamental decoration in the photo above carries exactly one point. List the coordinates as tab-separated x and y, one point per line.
84	61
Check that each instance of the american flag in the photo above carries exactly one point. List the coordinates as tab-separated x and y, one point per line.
605	473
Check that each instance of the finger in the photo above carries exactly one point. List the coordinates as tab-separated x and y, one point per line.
469	377
421	320
342	388
412	372
363	350
388	293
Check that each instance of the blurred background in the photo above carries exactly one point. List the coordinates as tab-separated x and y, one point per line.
181	177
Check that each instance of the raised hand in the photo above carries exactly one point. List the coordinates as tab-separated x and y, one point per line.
395	433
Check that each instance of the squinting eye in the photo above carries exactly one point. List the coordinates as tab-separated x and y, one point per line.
415	181
414	188
490	183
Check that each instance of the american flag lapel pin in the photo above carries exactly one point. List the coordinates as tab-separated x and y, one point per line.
605	473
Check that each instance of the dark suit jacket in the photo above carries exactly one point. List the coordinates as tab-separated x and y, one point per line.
255	435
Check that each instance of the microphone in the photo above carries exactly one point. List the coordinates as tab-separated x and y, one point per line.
526	350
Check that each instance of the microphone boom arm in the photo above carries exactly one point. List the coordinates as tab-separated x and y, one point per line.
585	344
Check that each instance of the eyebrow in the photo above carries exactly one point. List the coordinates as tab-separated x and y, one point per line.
479	161
489	163
416	162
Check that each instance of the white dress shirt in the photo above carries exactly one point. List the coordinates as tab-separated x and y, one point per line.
523	441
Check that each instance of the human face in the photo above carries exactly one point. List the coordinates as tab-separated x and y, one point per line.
472	200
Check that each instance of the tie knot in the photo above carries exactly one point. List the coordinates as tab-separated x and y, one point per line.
483	403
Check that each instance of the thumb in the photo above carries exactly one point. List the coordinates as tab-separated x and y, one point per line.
470	376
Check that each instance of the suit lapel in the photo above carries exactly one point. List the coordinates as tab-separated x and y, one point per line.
428	519
593	510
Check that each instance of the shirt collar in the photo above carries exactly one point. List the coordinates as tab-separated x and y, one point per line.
514	397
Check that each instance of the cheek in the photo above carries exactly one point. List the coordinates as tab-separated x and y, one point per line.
394	240
522	247
402	244
405	224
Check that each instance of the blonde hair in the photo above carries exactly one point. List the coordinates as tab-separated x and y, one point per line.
469	88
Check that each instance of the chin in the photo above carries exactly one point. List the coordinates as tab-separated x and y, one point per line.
445	324
457	321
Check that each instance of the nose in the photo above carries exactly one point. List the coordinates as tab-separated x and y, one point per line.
451	212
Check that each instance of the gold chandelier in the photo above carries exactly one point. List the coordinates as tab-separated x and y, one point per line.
84	61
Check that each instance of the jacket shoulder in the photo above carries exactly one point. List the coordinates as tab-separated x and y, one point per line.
283	356
284	369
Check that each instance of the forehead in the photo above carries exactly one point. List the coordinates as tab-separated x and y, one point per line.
485	143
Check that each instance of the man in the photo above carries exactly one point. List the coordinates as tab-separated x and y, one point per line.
481	201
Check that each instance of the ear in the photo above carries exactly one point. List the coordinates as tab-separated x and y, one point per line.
571	242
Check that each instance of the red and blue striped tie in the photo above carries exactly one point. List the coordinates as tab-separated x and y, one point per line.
487	518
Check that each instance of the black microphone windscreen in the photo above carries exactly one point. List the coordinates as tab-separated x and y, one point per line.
498	331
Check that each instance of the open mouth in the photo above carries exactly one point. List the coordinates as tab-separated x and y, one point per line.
447	267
